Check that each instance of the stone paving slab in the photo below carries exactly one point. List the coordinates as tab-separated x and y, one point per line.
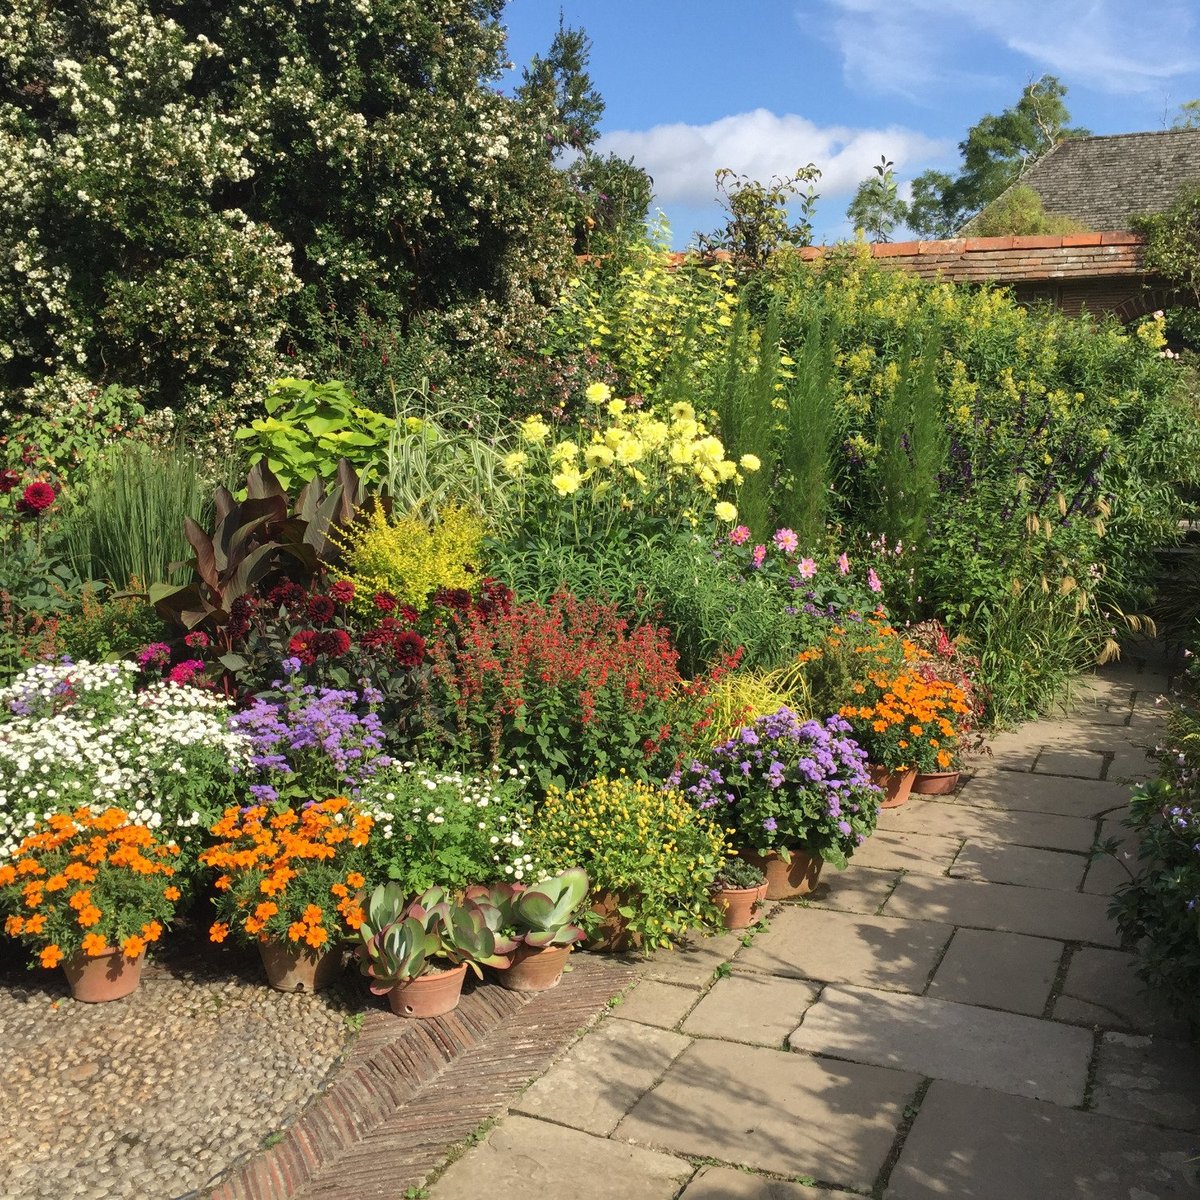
1082	764
595	1083
1021	1055
775	1111
1102	988
812	943
692	962
998	970
1132	766
1048	830
1148	1079
1068	916
987	862
970	1144
723	1183
1065	797
654	1003
762	1009
926	854
532	1160
855	889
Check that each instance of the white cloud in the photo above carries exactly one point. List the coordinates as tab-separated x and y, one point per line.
911	46
683	159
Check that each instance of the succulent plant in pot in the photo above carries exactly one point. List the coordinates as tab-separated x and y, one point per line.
418	954
739	891
534	927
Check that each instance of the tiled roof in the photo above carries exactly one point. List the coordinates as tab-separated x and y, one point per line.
1104	182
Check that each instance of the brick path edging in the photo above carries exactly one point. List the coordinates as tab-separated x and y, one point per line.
409	1090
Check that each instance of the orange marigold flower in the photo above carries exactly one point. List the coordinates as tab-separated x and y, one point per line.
171	893
94	945
56	883
313	914
8	873
340	890
14	925
81	899
297	930
316	936
33	897
36	923
51	956
88	916
222	883
152	931
266	910
132	946
253	926
218	931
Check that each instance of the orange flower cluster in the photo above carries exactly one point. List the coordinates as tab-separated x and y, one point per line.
289	875
86	881
906	719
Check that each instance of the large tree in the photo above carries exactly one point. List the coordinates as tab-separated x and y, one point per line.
192	187
612	194
996	152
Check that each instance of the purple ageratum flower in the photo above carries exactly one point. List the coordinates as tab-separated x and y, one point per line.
290	666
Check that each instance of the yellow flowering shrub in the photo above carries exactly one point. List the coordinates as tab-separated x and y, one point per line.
644	845
408	557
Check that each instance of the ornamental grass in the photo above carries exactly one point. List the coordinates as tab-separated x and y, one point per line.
89	882
291	877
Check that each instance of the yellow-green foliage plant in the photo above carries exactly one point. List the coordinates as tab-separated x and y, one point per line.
656	316
739	698
646	849
409	557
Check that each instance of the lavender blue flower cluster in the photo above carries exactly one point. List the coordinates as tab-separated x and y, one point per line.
789	781
313	743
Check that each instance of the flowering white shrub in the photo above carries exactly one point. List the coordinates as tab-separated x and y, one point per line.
188	191
449	828
75	734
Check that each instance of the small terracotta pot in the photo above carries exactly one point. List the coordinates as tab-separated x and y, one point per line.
428	995
786	880
740	905
104	977
935	783
896	784
613	934
534	968
292	970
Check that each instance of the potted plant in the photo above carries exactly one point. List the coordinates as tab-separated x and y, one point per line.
905	719
91	891
797	793
533	927
650	856
291	884
944	659
417	954
739	890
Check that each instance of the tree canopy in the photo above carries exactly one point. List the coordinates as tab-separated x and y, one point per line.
997	151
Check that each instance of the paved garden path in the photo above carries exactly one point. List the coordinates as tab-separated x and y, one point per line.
953	1016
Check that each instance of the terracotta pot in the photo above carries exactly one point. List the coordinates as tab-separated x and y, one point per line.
935	783
107	976
740	905
428	995
292	970
896	784
534	968
786	880
613	934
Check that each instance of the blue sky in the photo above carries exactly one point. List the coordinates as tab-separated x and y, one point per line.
766	86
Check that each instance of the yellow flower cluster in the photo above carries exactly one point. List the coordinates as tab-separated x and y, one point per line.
410	558
642	459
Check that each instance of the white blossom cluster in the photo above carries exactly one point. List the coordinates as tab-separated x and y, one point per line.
79	734
404	798
167	186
